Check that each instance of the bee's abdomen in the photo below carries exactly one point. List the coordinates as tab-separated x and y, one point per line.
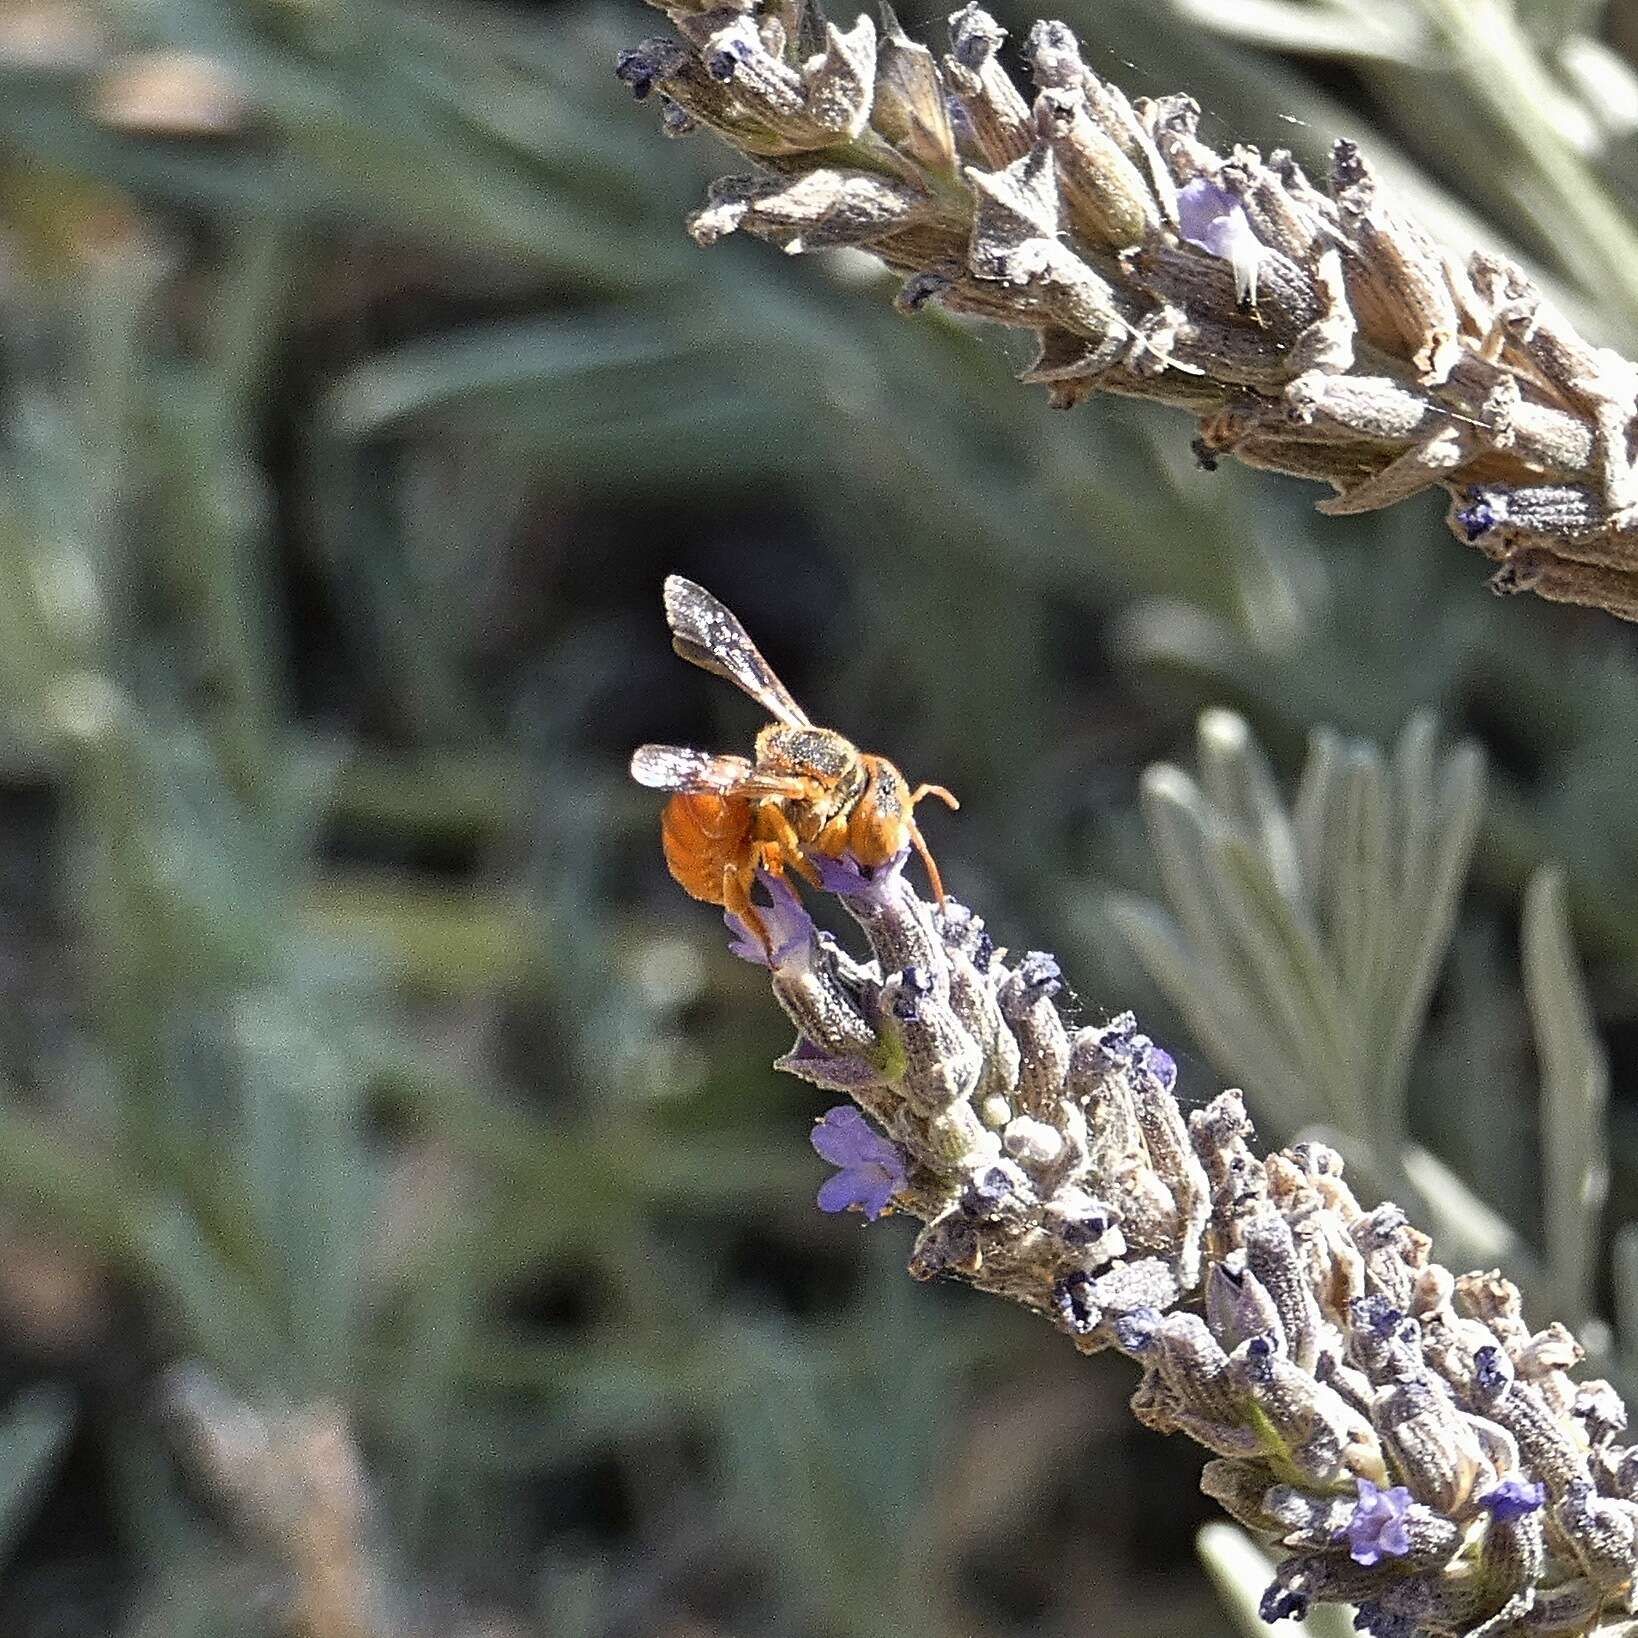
702	836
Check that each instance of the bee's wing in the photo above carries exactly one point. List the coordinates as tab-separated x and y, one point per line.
700	773
710	636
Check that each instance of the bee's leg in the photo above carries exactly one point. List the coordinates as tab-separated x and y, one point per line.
833	837
933	790
783	844
919	842
736	898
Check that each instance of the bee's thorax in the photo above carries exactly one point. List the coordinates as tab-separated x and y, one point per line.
820	754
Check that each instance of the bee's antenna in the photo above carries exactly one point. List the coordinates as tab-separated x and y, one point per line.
934	790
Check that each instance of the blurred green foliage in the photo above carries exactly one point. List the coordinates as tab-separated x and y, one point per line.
357	387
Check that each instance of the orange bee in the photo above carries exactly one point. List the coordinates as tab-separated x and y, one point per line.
807	790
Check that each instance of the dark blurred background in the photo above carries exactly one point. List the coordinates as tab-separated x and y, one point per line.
401	1228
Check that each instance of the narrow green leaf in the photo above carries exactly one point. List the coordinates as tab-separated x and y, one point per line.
1223	1020
1574	1093
1223	922
1437	836
1290	975
1319	799
1237	777
1468	1232
1345	32
32	1436
1624	1266
1359	913
1174	818
1239	1570
529	356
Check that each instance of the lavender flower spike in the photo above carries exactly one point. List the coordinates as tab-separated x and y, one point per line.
1392	1430
1213	219
872	1169
1348	348
1377	1528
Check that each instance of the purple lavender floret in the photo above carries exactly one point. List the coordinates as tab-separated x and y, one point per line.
1261	1352
1375	1314
1136	1331
872	1169
981	1195
1213	220
643	67
724	62
1084	1230
1378	1529
1040	975
1073	1302
790	928
1282	1604
1513	1498
1157	1062
848	879
1119	1039
1492	1374
1478	517
632	68
914	983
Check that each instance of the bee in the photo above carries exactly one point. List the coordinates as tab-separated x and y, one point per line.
805	790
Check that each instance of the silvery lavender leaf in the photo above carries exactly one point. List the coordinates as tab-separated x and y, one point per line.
1305	944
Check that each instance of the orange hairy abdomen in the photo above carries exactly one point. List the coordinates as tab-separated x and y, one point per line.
702	836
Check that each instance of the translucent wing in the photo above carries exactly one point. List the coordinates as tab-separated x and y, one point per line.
710	636
700	773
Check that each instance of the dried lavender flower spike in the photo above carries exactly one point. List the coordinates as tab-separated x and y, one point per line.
1318	332
1396	1434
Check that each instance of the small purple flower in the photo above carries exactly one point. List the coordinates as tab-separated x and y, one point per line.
848	879
872	1169
632	68
1261	1354
1137	1330
1157	1061
980	1196
913	984
1074	1303
1118	1040
724	61
790	928
1492	1374
1039	976
1513	1498
1375	1314
1478	517
1377	1529
1282	1604
1213	220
